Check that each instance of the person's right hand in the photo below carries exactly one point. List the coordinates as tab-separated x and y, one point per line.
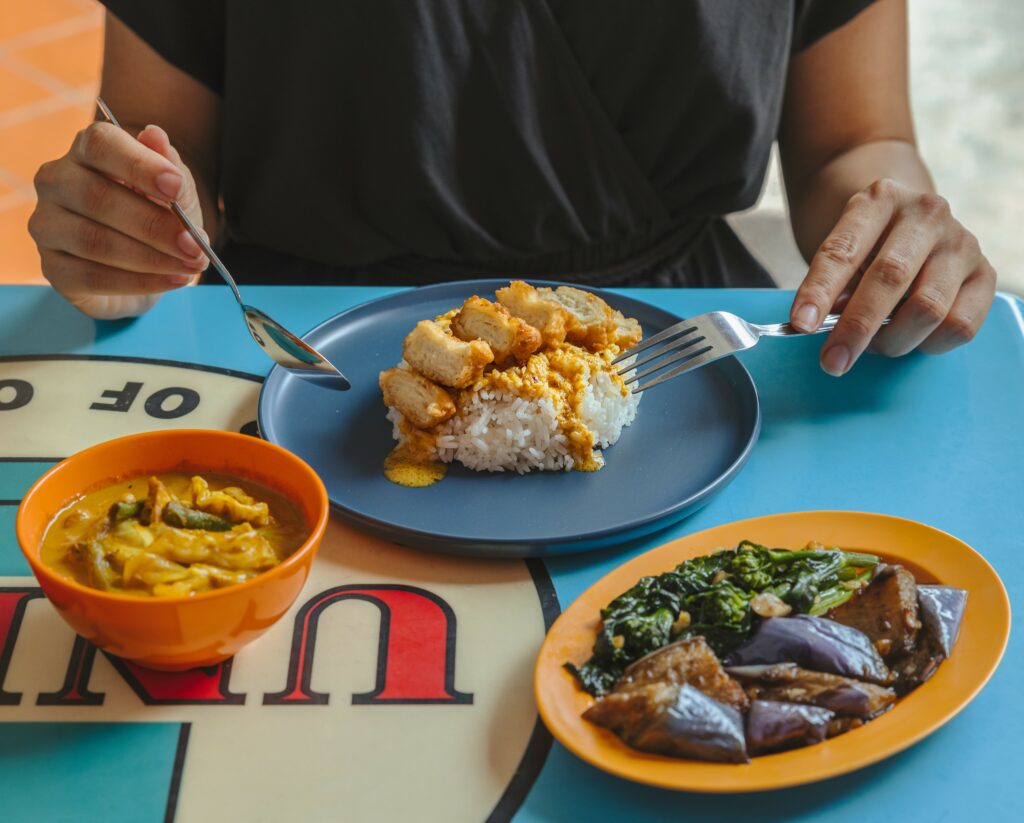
107	240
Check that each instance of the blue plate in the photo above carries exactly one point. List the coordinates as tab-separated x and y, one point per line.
690	437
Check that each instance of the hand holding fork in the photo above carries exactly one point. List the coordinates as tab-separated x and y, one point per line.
701	340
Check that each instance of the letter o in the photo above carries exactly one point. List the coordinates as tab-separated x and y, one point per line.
155	403
23	392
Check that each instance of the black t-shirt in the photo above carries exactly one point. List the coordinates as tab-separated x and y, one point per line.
408	141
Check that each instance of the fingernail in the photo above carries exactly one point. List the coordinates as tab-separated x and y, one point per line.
181	279
188	245
169	183
836	360
159	132
806	316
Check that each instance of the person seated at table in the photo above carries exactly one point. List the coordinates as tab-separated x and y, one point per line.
588	141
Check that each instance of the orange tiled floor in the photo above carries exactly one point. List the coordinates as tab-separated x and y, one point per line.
49	73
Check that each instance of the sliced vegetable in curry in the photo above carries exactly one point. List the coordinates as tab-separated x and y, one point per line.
173	535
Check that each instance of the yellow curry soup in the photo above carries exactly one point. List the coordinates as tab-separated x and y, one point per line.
174	534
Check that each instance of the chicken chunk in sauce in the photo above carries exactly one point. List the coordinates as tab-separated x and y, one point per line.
444	358
421	402
510	338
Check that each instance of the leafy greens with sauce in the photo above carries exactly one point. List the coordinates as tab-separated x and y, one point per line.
712	596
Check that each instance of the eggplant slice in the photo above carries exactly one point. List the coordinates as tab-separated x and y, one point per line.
686	661
673	720
915	668
775	727
942	611
814	643
886	611
788	683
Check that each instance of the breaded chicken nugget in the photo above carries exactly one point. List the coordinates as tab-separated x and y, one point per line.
593	325
541	311
627	332
421	402
444	358
509	337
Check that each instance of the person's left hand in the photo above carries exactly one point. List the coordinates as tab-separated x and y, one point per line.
892	244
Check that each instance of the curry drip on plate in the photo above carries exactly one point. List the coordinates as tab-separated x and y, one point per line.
414	462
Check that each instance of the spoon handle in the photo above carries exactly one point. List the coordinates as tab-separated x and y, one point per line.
190	227
197	235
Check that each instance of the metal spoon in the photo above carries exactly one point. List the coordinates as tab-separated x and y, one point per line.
283	347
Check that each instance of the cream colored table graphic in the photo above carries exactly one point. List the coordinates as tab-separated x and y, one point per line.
399	682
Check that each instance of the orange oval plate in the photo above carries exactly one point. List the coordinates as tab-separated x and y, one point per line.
932	555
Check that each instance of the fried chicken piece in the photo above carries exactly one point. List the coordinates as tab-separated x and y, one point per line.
627	331
593	324
444	358
540	310
510	338
686	661
421	402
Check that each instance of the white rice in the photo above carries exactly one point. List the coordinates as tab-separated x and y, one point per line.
498	431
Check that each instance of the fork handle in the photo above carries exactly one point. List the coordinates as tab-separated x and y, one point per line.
787	329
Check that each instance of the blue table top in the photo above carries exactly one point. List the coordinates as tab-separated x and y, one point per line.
932	439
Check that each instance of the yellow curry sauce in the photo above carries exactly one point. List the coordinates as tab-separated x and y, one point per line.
558	372
413	463
174	534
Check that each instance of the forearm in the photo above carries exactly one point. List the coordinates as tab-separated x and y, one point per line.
817	200
142	88
875	250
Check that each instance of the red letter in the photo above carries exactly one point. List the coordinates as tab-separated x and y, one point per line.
12	610
75	691
193	687
416	650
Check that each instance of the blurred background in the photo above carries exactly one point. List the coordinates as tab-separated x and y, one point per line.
967	82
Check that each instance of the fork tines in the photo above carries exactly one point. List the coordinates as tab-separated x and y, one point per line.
680	345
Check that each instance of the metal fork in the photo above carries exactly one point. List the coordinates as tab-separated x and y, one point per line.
701	340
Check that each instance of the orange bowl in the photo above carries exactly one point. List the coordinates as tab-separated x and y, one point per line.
175	633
